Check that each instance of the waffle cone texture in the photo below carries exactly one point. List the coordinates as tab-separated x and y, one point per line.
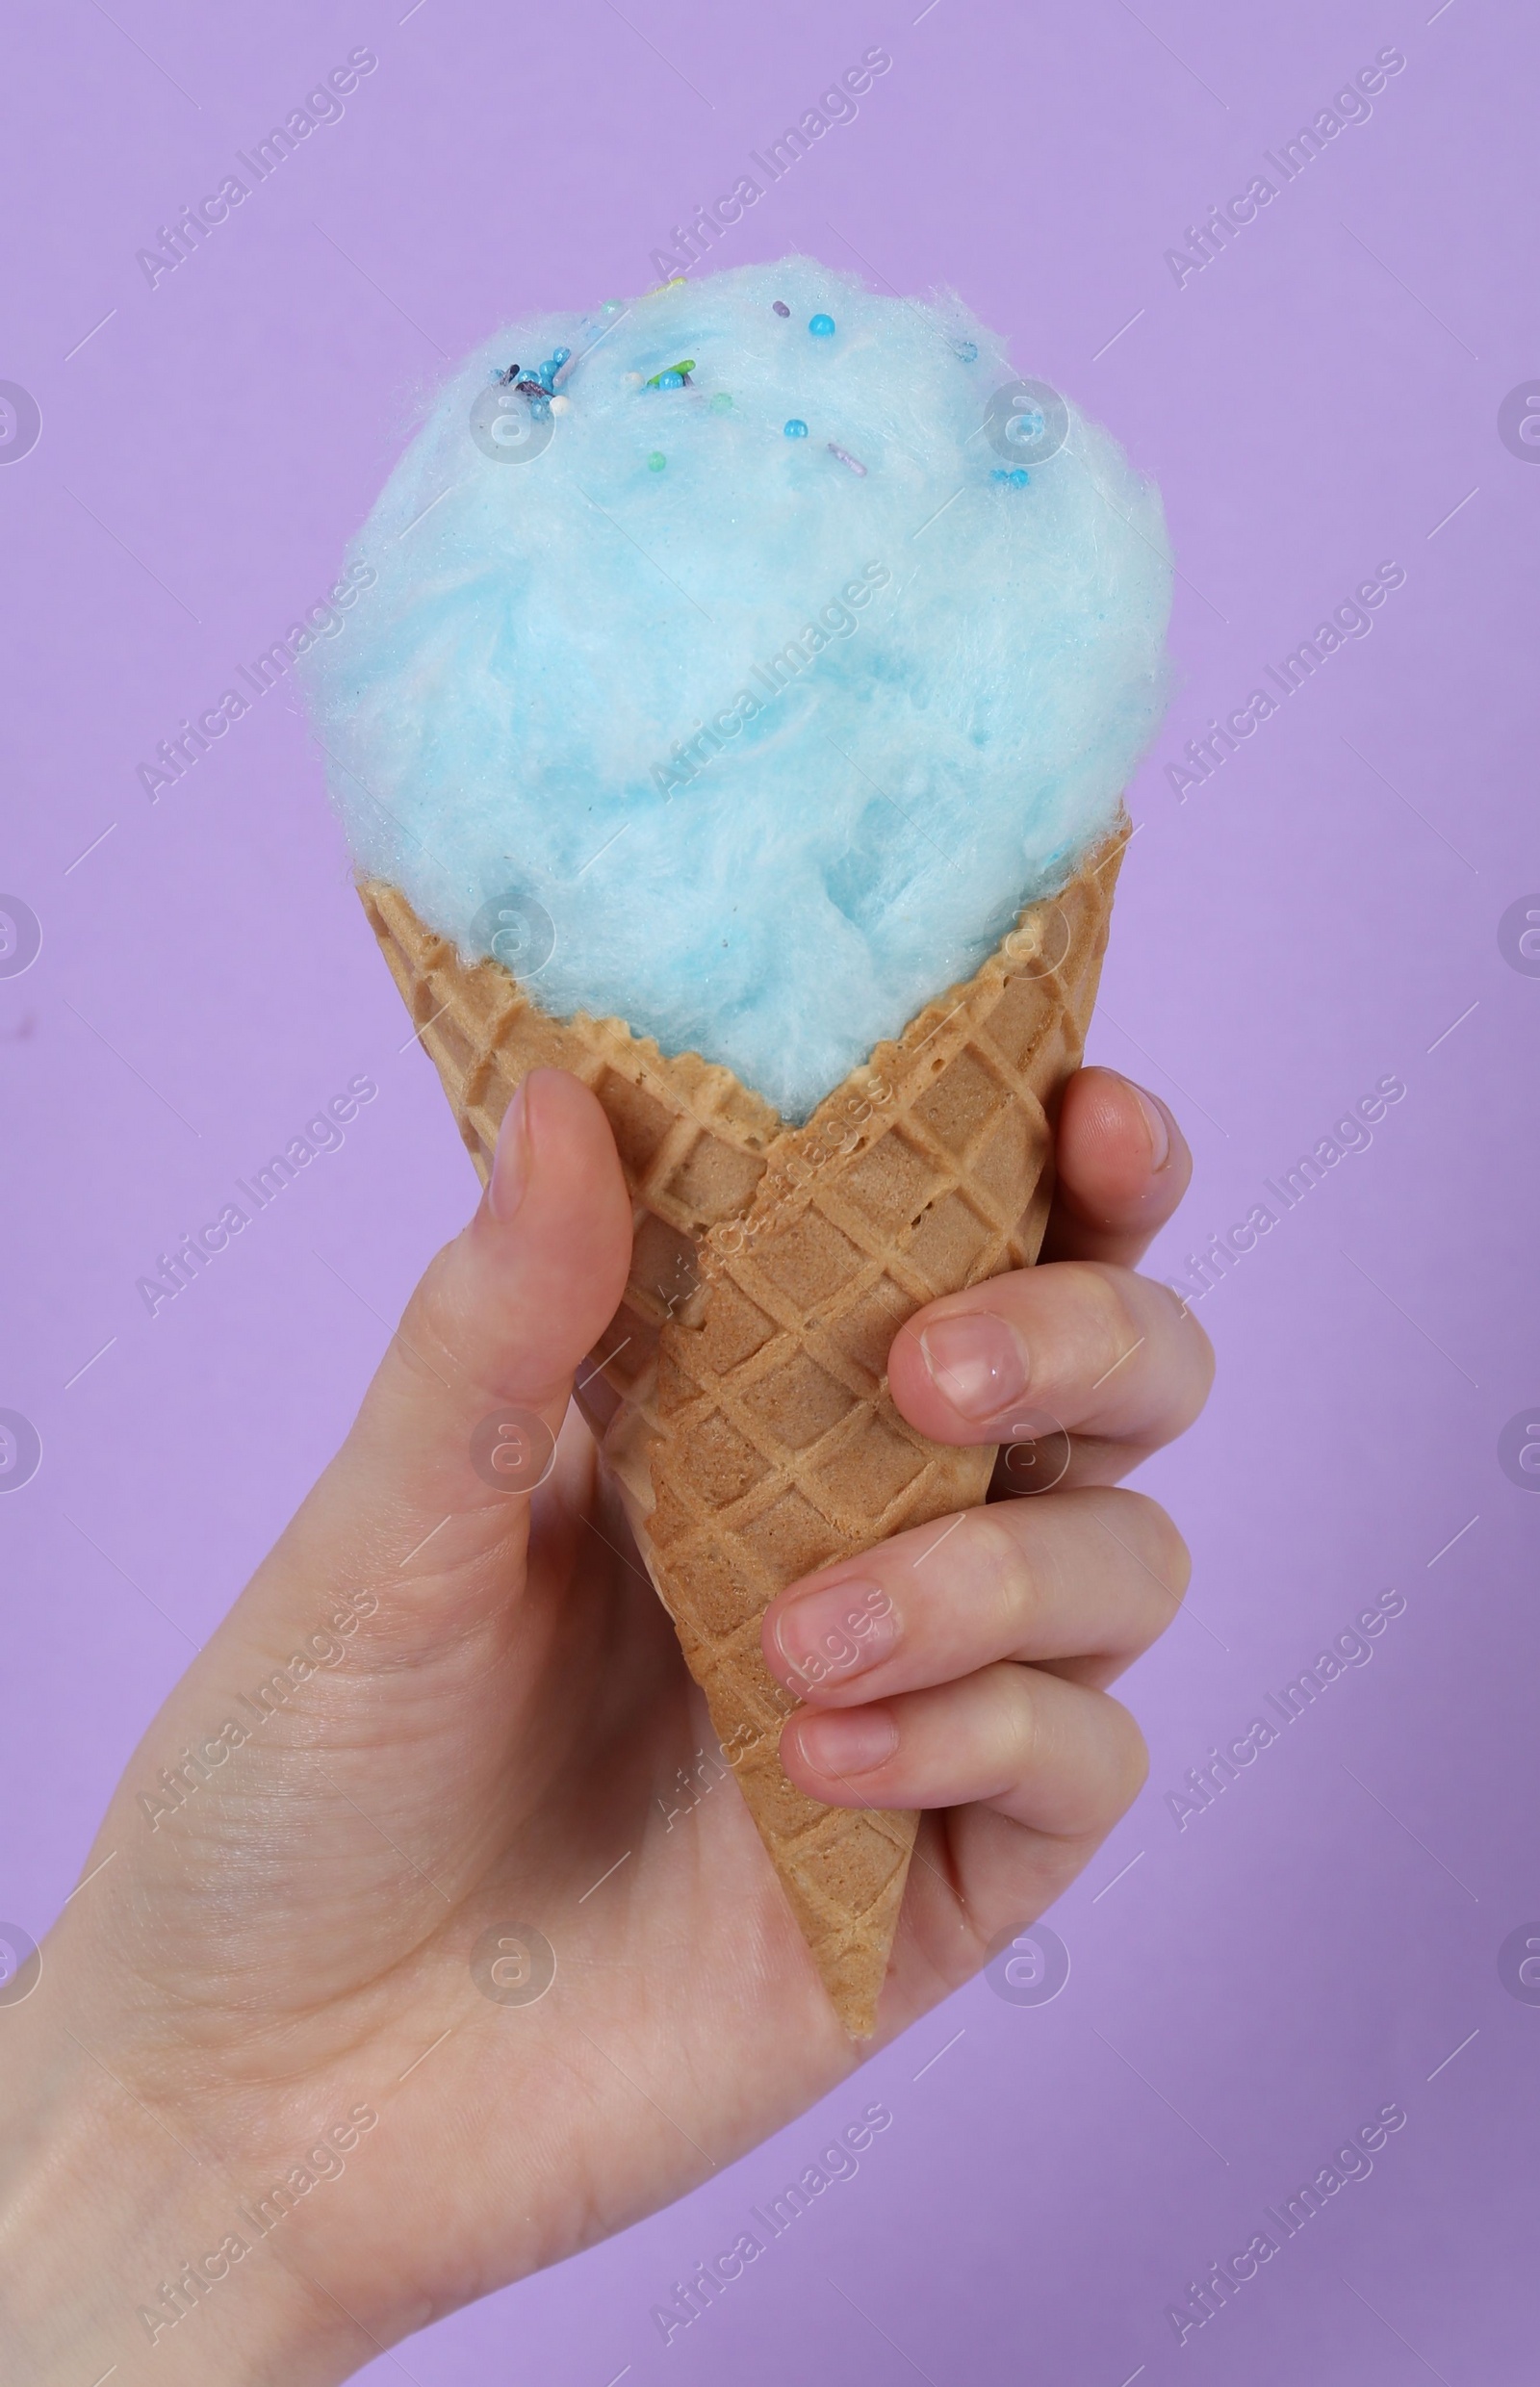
754	1438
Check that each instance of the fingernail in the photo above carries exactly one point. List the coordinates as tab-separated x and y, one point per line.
839	1631
847	1740
976	1362
510	1165
1160	1135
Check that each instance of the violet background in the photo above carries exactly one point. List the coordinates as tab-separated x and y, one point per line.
1321	396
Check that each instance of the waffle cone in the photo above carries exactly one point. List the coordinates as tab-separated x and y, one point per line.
754	1438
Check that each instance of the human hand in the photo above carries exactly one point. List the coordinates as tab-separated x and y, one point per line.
289	1978
973	1685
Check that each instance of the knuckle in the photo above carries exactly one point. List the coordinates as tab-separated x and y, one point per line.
1163	1551
1019	1725
1003	1568
1106	1765
1190	1342
1109	1320
429	1333
1132	1770
1207	1364
1113	1780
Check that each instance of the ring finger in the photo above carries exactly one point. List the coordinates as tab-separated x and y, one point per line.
1084	1582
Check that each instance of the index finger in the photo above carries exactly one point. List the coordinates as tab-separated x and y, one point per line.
1121	1167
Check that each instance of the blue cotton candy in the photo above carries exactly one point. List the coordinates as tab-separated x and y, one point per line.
781	733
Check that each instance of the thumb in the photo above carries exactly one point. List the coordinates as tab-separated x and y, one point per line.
463	1412
403	1733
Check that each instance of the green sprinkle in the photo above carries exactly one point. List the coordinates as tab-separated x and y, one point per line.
656	460
686	364
722	403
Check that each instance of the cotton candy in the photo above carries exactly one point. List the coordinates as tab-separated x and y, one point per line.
756	736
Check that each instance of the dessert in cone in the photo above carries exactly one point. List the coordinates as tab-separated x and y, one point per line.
730	681
755	1439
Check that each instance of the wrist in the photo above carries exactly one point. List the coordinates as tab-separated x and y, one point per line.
118	2237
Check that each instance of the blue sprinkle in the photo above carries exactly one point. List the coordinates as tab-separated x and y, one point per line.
1021	477
822	326
796	428
671	380
559	356
967	349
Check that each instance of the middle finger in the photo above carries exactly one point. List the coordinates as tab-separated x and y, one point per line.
1116	1359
